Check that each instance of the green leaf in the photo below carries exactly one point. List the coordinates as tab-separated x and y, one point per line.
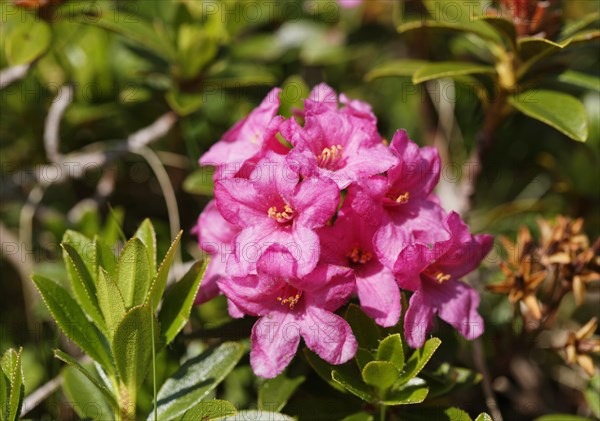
146	234
380	374
83	396
571	28
504	26
195	49
353	383
208	410
418	360
390	349
534	47
107	394
256	415
135	29
449	69
85	249
160	280
184	103
27	41
4	394
133	273
12	369
561	111
132	347
322	368
105	256
273	394
592	395
561	417
111	301
82	283
476	27
179	300
359	416
196	378
364	328
200	182
396	68
483	417
581	80
363	357
72	321
407	396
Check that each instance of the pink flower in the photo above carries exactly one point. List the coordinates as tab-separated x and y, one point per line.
349	4
215	237
434	276
247	140
401	205
290	307
273	207
342	145
349	242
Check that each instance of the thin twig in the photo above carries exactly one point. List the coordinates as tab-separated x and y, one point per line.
12	74
169	194
40	394
490	399
52	125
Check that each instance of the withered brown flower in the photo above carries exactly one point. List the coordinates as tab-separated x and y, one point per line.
531	17
581	344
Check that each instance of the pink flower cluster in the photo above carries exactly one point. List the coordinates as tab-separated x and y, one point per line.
316	208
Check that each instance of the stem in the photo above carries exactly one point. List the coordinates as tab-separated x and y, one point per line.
382	409
488	391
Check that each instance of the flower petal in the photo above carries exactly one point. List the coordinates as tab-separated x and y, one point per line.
418	320
275	341
378	293
328	335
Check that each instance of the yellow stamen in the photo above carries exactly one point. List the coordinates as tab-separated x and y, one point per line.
403	198
286	215
291	301
359	256
330	155
442	277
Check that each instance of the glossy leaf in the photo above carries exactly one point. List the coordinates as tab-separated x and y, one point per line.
449	69
179	300
4	394
72	321
503	26
363	357
160	280
208	410
76	365
196	378
184	103
476	27
581	80
146	234
84	397
396	68
359	416
531	47
132	347
407	396
133	273
380	374
390	349
483	417
419	359
365	329
561	111
28	41
105	256
84	248
273	394
322	368
353	384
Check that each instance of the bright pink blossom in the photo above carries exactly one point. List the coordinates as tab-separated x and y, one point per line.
290	307
274	207
339	144
434	275
401	204
349	242
247	141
